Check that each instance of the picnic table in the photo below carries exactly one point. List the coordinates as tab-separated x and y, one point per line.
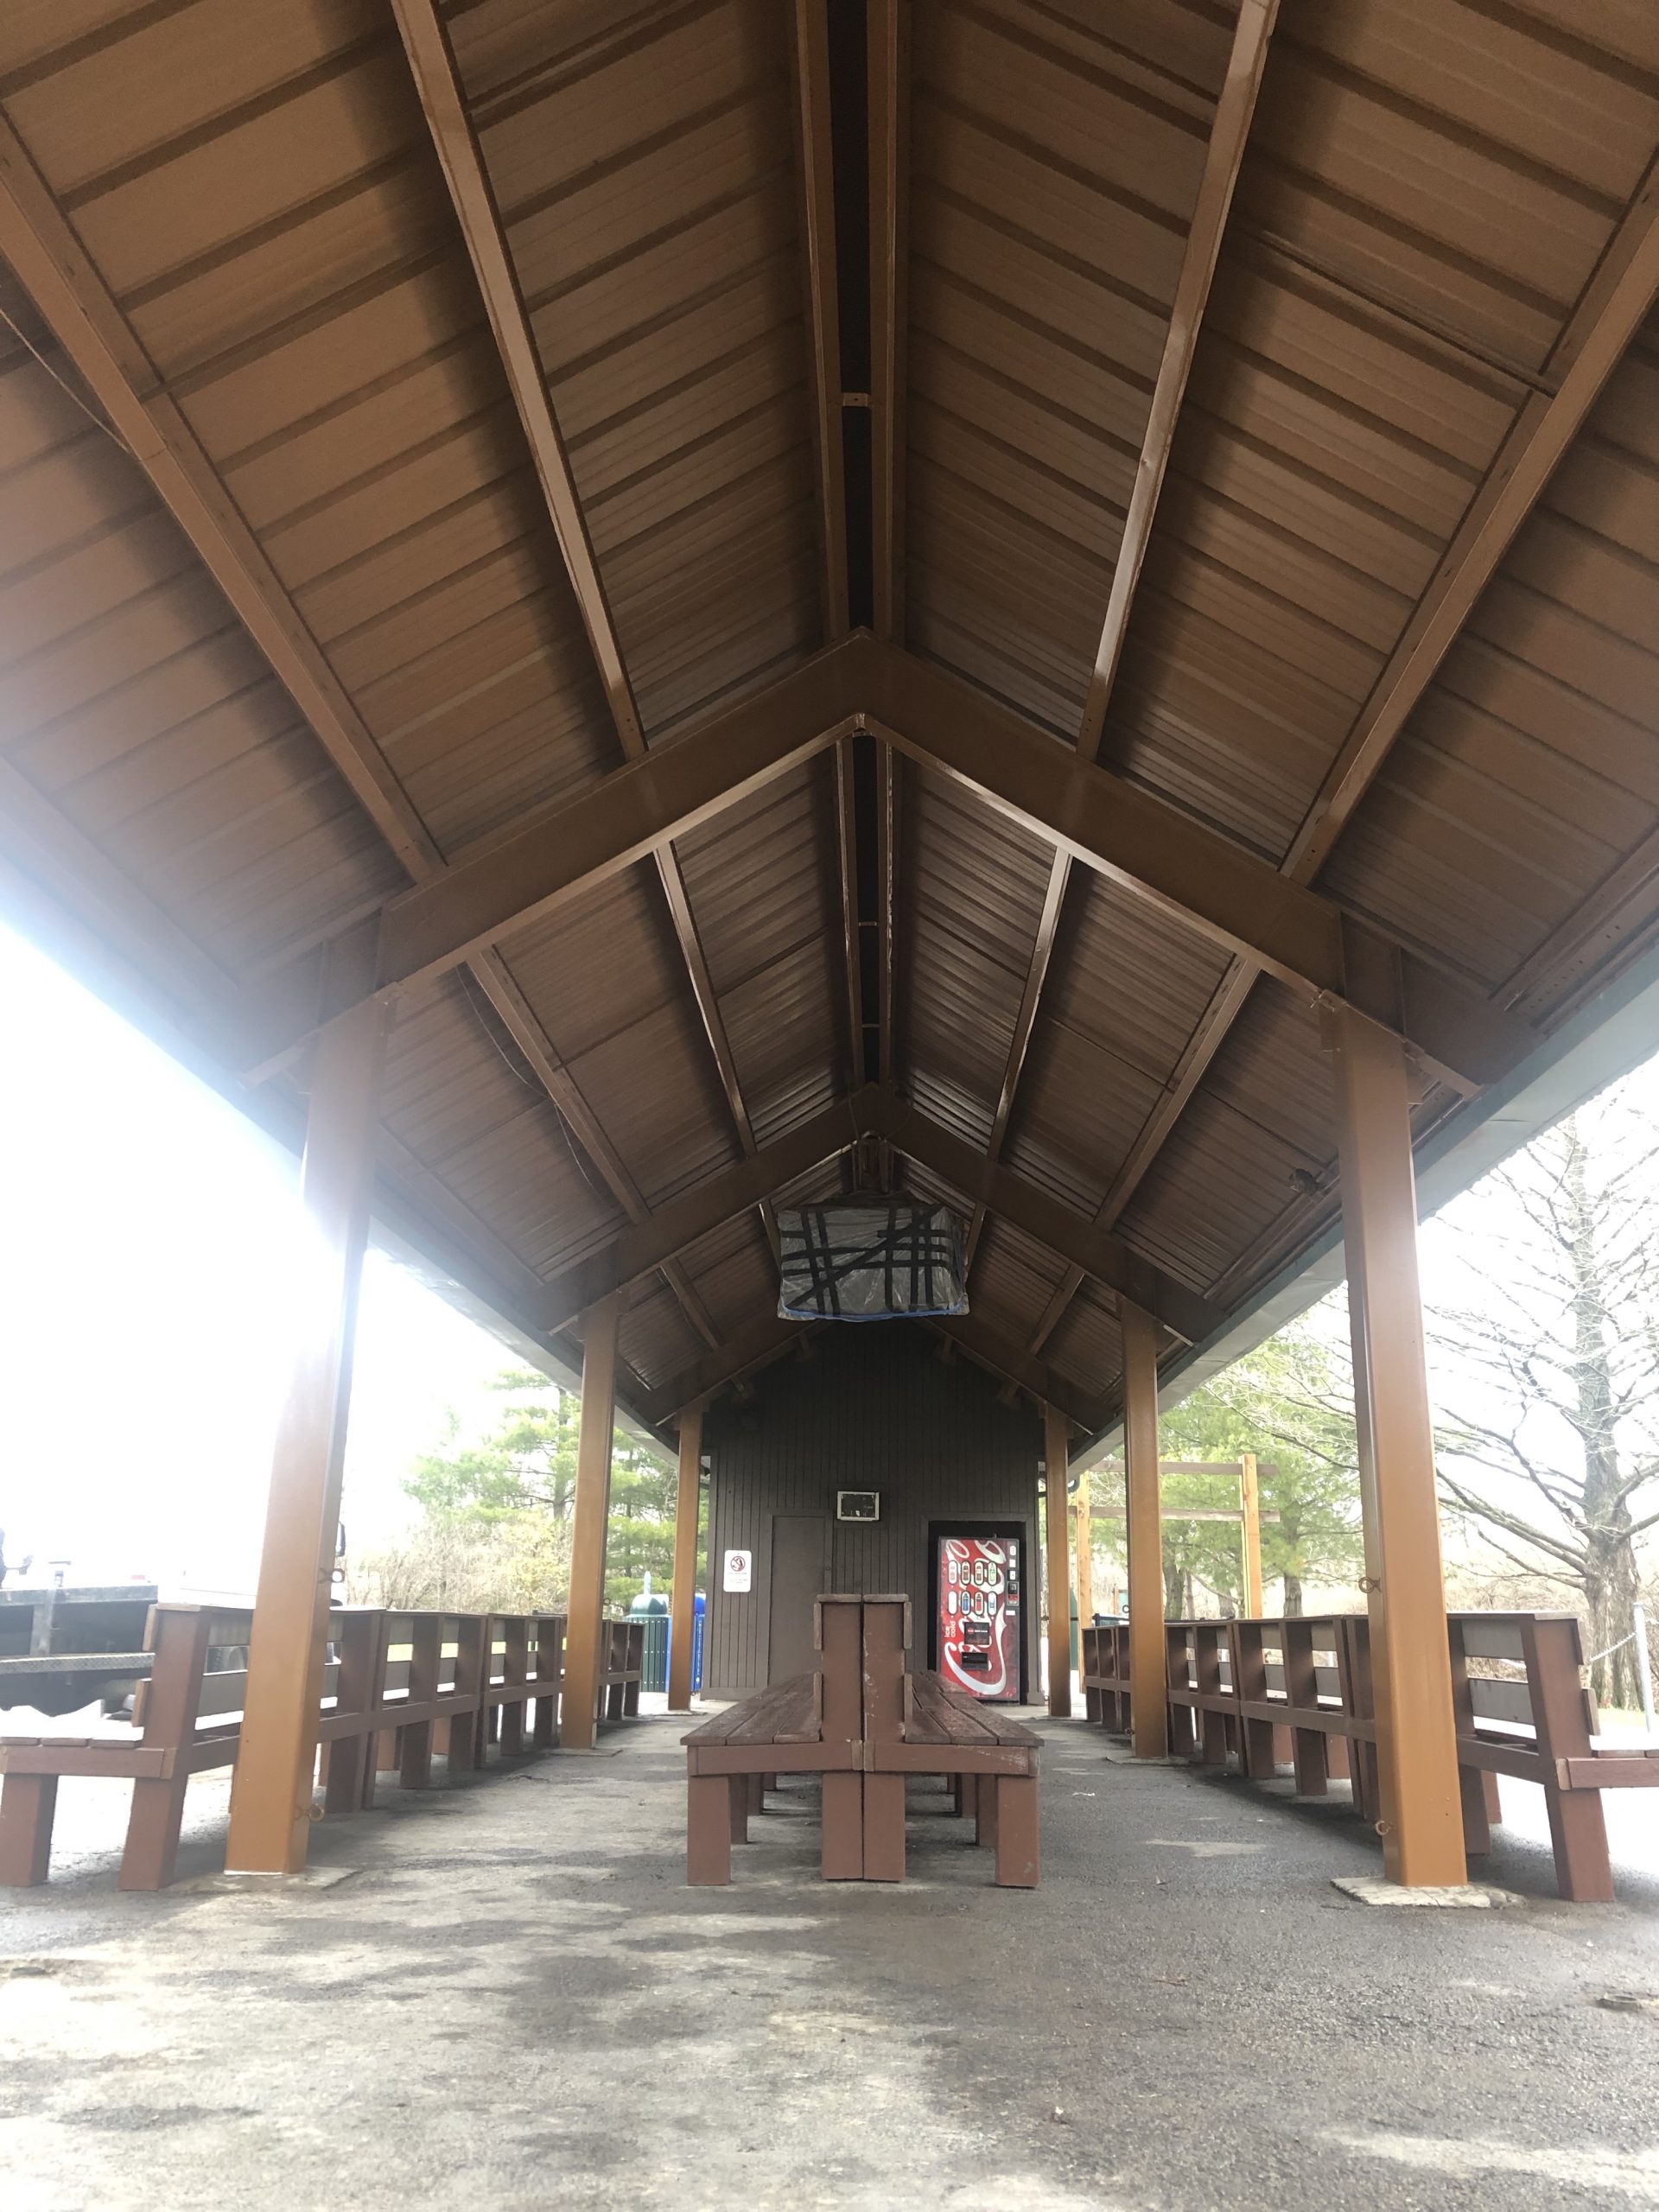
864	1723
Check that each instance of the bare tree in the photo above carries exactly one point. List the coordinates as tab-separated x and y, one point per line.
1549	1368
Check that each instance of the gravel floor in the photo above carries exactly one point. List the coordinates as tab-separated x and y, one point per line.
512	2000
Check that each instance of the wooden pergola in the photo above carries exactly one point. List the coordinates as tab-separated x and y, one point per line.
623	613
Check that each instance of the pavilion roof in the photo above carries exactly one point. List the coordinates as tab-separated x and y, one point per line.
824	589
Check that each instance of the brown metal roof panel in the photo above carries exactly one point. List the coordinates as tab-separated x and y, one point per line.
1000	344
1273	1070
787	1035
1078	1111
1217	1184
513	726
654	1336
1567	104
733	1271
682	306
601	963
100	86
974	872
1014	1279
216	177
761	877
1469	233
1209	716
1127	978
1086	1347
960	1106
656	1093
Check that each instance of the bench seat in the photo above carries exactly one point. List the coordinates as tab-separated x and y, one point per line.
864	1723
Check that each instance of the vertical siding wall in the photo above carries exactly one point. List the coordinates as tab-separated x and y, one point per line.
876	1408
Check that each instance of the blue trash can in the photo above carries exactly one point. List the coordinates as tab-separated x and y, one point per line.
698	1607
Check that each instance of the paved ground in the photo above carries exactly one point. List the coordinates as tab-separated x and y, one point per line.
514	2002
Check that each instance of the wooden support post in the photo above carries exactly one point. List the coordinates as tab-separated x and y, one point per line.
1083	1555
585	1622
1057	1443
276	1767
1250	1507
682	1608
1421	1824
1148	1711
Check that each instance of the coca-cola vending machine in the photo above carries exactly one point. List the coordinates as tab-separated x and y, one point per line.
976	1625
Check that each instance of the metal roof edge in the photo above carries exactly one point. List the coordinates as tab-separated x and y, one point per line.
1614	1033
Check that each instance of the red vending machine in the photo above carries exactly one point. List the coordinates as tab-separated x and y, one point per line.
976	1635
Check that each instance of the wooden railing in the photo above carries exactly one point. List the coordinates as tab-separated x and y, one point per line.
397	1688
1296	1694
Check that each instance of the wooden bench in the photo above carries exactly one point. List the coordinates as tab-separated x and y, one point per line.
865	1725
1297	1693
396	1688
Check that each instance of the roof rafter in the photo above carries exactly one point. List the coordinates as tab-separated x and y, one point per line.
1205	880
814	148
79	310
1608	315
1224	155
444	100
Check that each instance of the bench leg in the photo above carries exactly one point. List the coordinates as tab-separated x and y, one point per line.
1583	1870
545	1732
1093	1707
1307	1758
708	1831
416	1771
1477	1830
984	1809
884	1827
512	1730
842	1844
757	1793
343	1788
152	1835
959	1793
27	1802
737	1813
1019	1861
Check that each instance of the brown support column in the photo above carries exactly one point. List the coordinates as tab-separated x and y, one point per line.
275	1768
1422	1825
682	1612
1249	1501
1057	1435
1149	1708
584	1622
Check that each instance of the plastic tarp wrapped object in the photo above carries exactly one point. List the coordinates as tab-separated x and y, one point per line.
878	1261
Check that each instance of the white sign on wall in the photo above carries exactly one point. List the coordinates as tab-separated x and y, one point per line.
740	1570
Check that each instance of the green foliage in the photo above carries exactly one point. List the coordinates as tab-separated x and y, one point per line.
1290	1403
505	1504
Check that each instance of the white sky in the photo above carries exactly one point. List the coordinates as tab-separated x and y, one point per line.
152	1240
152	1245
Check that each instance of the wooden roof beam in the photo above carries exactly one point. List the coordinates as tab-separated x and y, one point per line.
1110	825
1224	155
815	152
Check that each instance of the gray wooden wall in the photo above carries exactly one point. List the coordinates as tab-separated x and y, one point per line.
874	1408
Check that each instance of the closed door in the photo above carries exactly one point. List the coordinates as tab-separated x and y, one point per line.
800	1565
